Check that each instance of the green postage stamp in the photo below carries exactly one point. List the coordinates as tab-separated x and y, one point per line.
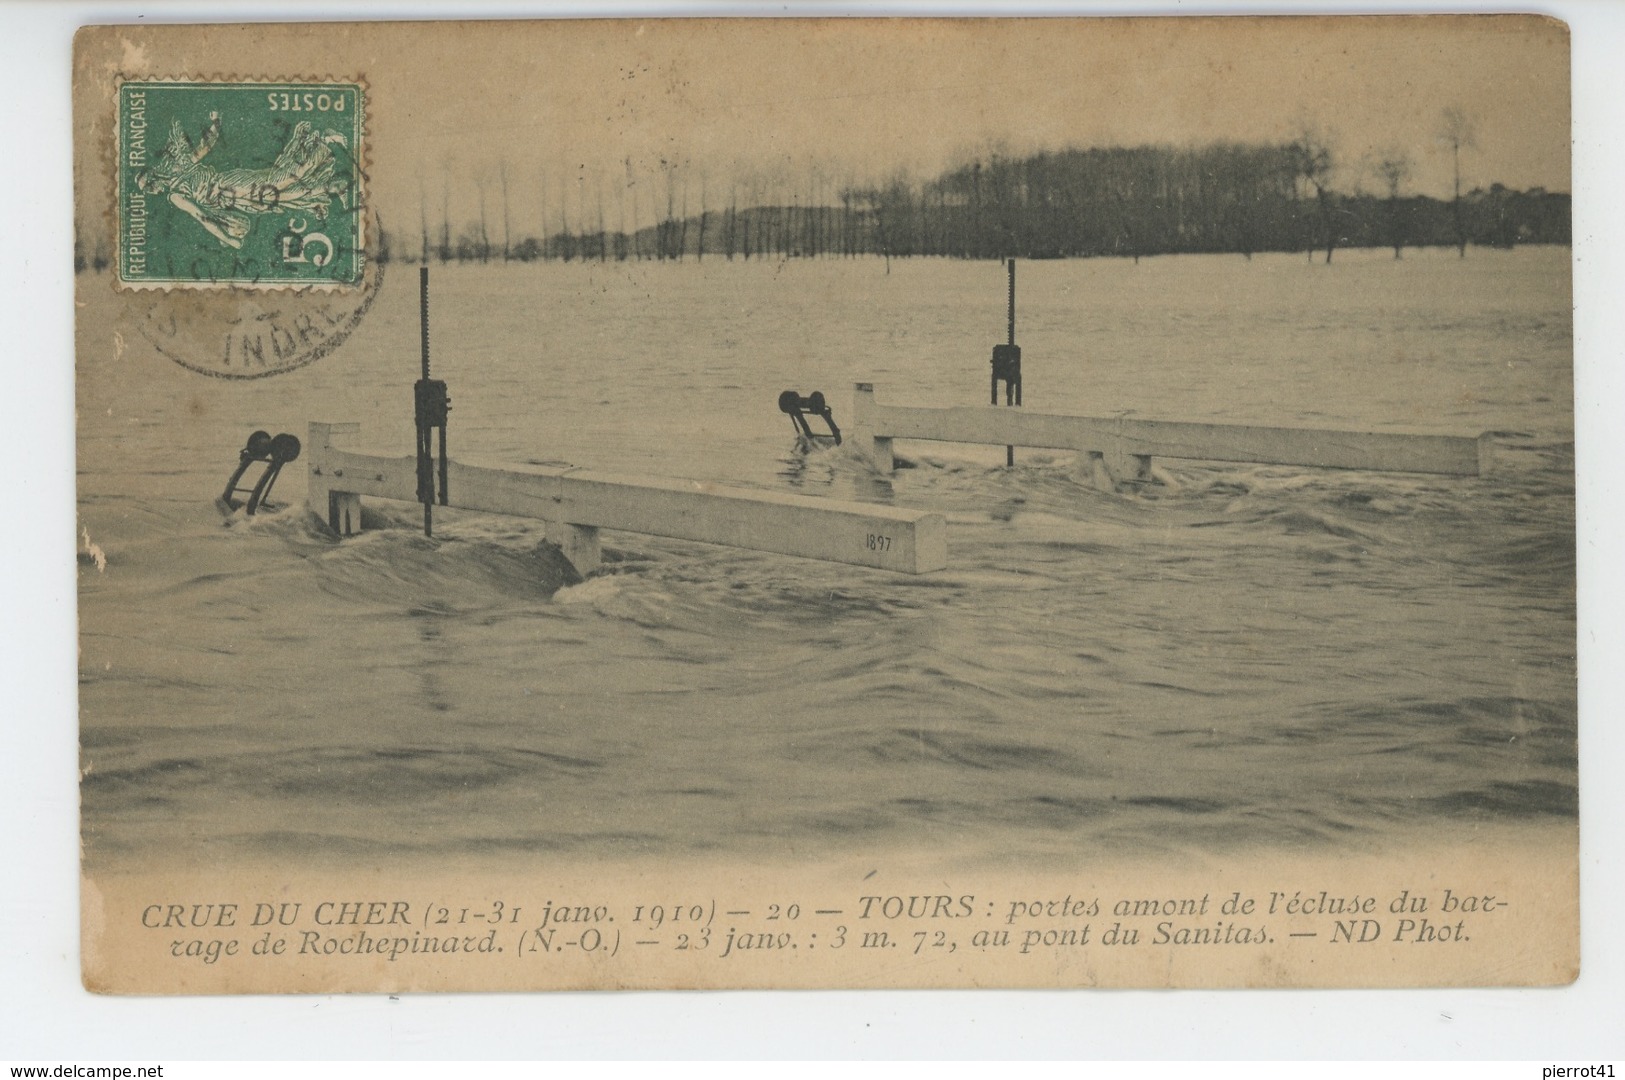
240	184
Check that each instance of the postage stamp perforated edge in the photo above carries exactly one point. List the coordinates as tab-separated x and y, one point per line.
357	213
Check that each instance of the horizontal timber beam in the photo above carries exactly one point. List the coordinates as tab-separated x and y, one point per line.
576	503
1125	447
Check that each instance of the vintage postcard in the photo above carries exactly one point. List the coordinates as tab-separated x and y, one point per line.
802	503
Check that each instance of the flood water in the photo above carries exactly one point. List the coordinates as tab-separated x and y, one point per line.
1264	656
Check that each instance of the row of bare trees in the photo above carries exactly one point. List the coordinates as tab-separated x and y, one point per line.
1129	201
762	216
1124	201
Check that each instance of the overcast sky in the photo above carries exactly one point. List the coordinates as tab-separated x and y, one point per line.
580	107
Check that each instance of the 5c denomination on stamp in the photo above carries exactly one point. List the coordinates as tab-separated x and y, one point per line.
240	184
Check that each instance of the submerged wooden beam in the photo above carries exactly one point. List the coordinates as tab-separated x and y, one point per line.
576	503
1124	447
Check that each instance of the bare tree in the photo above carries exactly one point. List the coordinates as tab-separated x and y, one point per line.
730	220
682	234
632	189
445	214
1312	160
1395	168
665	236
542	214
891	205
423	214
603	236
580	211
620	217
482	246
699	253
567	241
1458	130
502	175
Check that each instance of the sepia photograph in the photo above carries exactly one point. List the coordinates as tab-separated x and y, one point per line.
887	503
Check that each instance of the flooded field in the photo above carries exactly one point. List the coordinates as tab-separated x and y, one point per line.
1263	657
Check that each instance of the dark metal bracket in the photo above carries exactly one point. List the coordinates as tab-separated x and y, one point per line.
798	408
274	452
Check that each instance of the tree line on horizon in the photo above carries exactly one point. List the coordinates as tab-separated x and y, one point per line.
1111	201
1119	201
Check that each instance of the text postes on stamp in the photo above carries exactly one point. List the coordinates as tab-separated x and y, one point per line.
243	184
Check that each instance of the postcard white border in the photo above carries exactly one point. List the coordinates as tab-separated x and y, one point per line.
46	1016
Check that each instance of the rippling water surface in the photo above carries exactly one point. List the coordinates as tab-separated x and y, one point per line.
1261	656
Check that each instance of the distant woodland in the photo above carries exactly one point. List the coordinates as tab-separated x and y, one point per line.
1125	202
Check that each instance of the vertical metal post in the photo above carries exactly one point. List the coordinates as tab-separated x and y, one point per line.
423	432
1011	302
1010	451
431	404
